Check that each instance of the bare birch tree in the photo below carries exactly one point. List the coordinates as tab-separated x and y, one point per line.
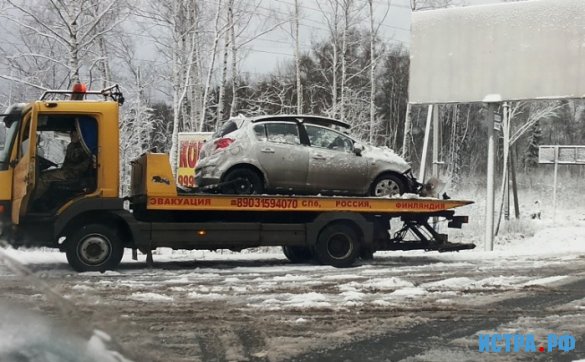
333	19
234	49
348	9
74	26
178	39
218	32
298	58
224	69
374	29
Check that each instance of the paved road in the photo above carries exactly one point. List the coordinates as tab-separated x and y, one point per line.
436	339
411	307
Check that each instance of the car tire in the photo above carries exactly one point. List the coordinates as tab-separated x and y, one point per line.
297	254
94	247
388	185
338	245
242	181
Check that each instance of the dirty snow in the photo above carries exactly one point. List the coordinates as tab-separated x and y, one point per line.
295	304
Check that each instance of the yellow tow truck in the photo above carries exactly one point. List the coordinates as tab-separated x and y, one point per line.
93	224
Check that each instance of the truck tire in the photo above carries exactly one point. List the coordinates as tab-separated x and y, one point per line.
338	245
94	247
367	254
297	254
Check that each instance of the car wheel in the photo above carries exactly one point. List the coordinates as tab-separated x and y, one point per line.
338	245
297	254
242	181
388	185
94	247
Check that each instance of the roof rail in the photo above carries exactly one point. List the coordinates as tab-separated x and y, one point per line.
112	92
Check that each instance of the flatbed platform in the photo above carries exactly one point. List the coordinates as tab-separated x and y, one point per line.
206	202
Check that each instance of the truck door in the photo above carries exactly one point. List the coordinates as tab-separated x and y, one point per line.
24	170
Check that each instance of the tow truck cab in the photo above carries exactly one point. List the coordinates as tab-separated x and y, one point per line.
36	136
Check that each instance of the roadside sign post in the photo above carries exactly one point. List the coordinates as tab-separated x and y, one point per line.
490	200
423	164
560	154
555	183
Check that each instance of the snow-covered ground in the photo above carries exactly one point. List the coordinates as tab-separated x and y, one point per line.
255	305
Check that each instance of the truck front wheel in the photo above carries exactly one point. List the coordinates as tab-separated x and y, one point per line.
94	247
338	245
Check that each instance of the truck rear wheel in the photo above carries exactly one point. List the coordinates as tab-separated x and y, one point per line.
338	245
297	254
94	247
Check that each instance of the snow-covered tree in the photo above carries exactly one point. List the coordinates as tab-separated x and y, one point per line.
61	34
534	141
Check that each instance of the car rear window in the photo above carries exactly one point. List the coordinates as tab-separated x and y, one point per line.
283	133
227	128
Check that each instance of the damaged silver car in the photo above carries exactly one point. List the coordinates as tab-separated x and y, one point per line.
299	154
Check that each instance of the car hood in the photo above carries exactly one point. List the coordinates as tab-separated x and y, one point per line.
386	155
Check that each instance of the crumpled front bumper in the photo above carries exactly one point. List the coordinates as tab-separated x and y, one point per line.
413	185
432	188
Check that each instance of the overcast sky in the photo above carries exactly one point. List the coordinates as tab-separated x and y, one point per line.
270	50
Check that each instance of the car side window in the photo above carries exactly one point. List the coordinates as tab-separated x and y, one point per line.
260	132
325	138
283	133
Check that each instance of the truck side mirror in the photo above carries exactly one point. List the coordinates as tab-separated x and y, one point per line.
358	148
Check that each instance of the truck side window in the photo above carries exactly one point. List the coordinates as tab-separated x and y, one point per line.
24	139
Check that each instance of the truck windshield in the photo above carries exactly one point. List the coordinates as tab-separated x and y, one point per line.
8	128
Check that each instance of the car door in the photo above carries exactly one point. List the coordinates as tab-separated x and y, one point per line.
24	170
281	155
333	166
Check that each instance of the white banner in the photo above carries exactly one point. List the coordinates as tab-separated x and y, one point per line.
512	51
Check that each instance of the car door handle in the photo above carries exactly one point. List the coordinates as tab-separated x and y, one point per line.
267	150
319	157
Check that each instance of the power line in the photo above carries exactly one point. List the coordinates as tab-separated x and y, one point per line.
311	8
300	23
318	11
267	51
